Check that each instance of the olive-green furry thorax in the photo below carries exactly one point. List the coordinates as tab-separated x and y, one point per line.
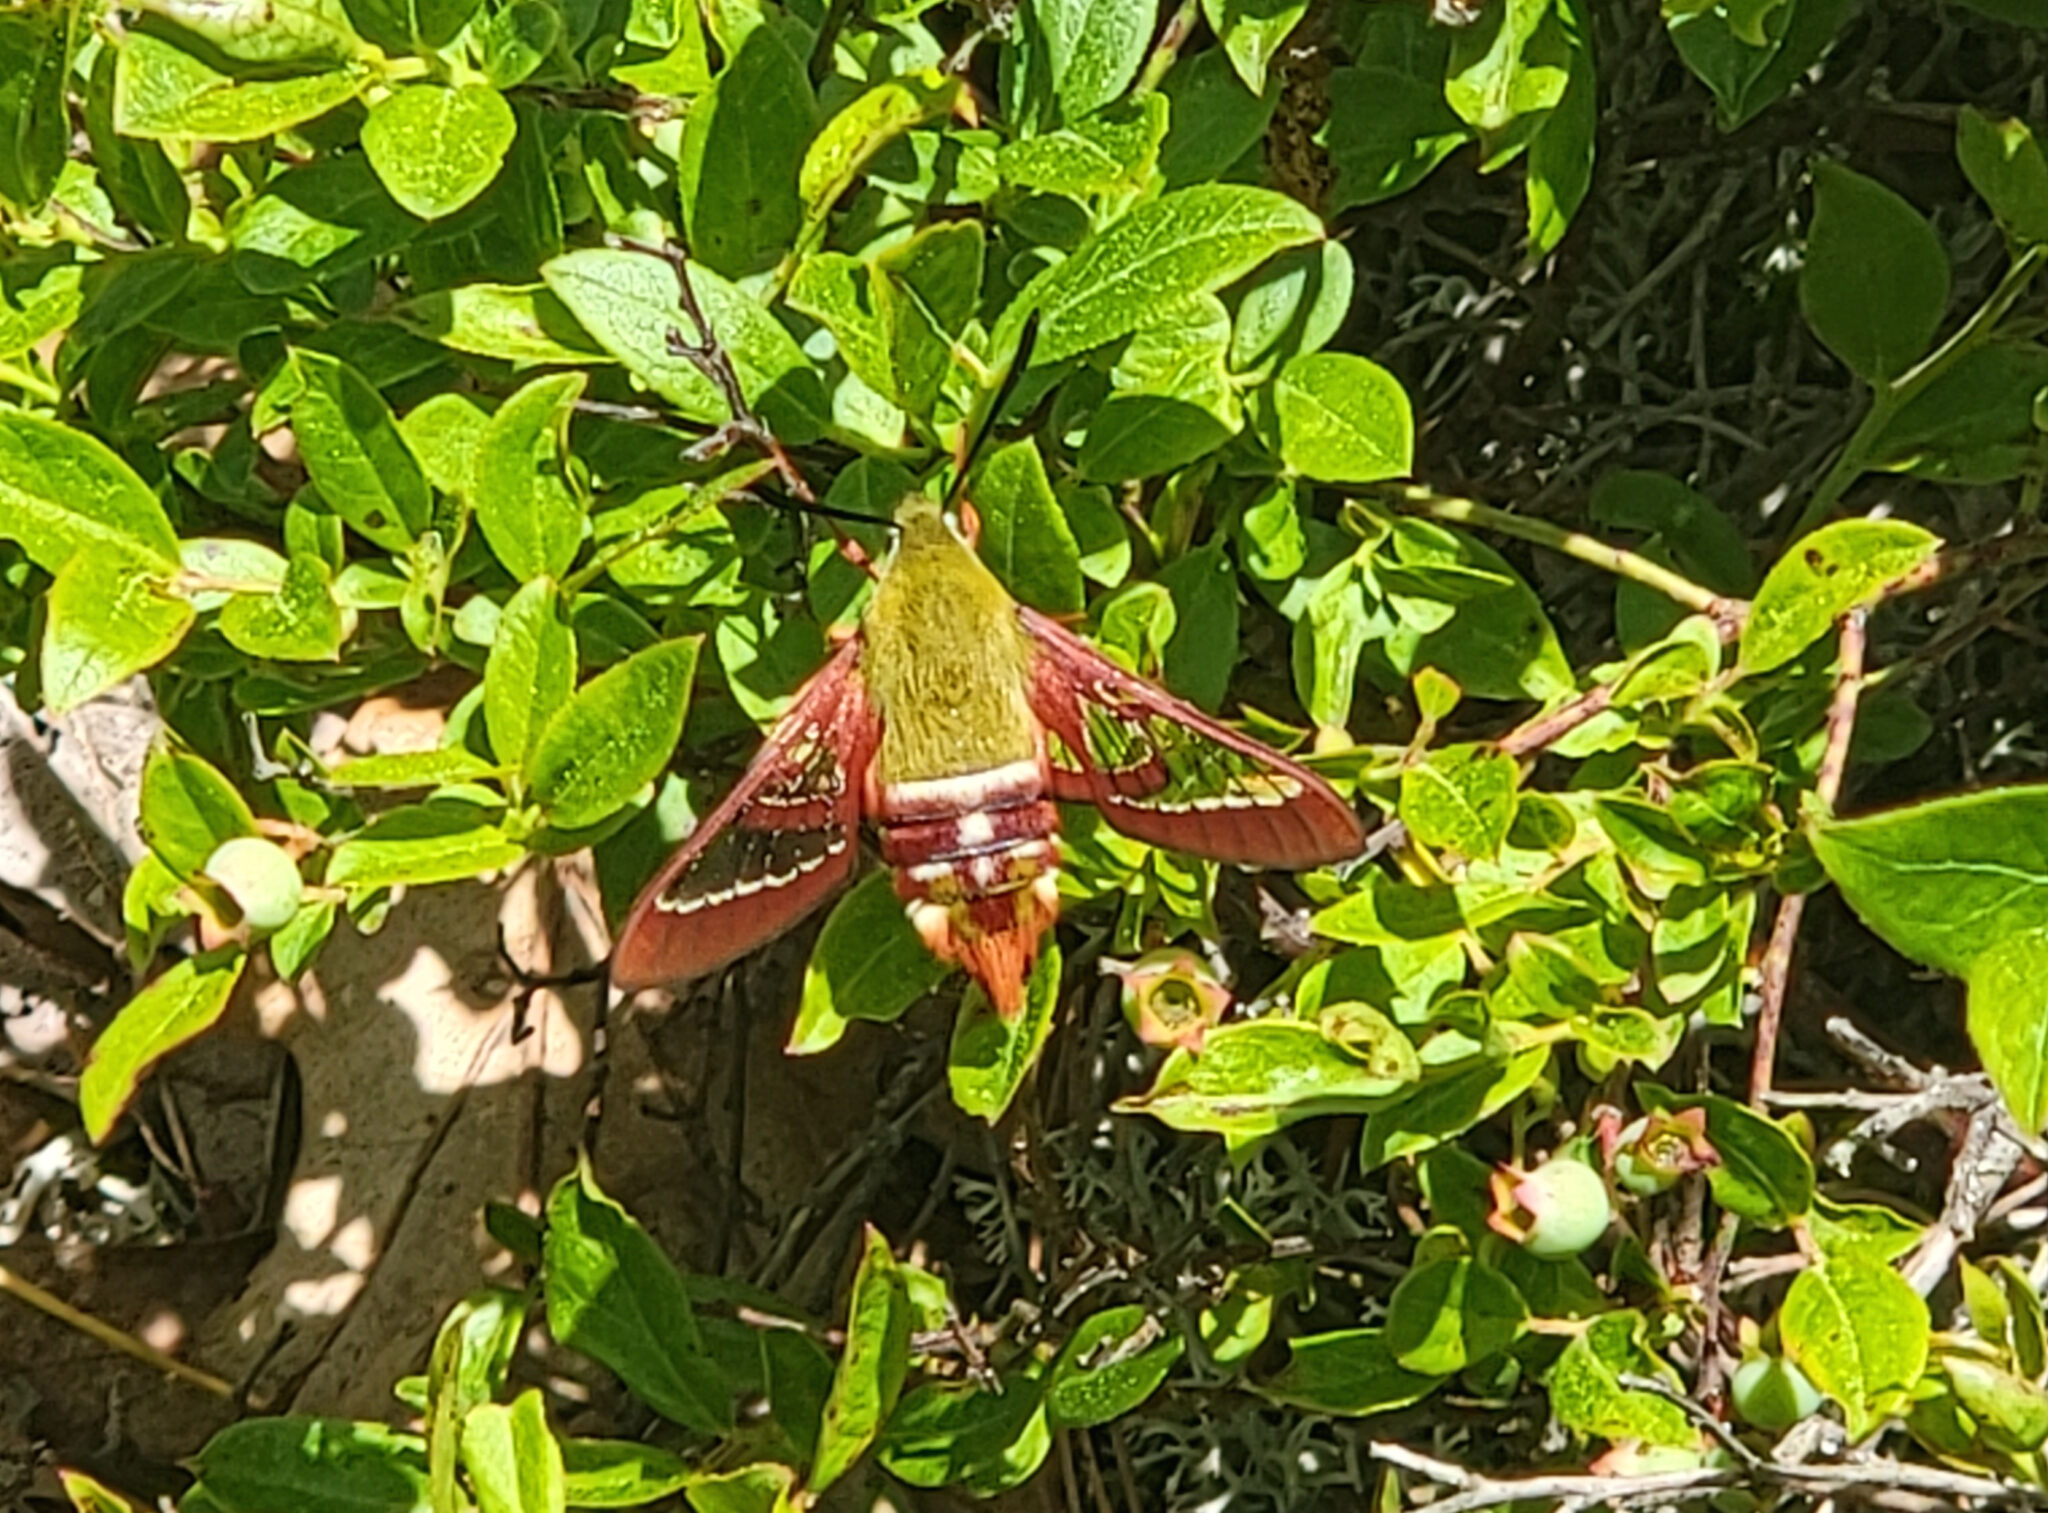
945	659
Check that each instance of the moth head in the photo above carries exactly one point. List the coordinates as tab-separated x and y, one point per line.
922	523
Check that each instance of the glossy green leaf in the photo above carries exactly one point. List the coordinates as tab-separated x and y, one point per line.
90	1496
868	964
1822	577
531	671
1349	1372
530	511
1343	419
1112	150
1093	48
436	148
354	452
399	770
2010	1411
985	1441
613	1295
1294	305
614	736
1586	1392
1252	33
1191	242
1859	1332
872	1365
863	127
162	91
62	491
1389	128
620	1473
743	150
521	323
512	1459
1115	1360
185	1001
990	1056
1876	278
1254	1078
37	47
2005	165
2008	1015
1025	539
1447	1102
1460	799
187	808
1451	1313
761	1488
439	841
1509	70
298	622
1561	155
111	614
312	1465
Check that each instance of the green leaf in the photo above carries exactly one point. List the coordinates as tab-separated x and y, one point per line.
628	302
531	670
90	1496
1508	69
2005	165
62	491
293	947
161	91
613	1295
1115	1360
1214	120
28	315
1448	1102
355	454
614	736
1586	1393
524	324
990	1056
439	841
1349	1372
868	964
36	50
1946	880
1460	799
1451	1313
1202	652
529	510
1292	306
620	1473
111	614
410	769
1823	576
266	31
312	1465
1254	1078
862	128
186	808
1961	884
471	1355
1388	130
1111	151
1876	279
1093	48
1194	241
512	1458
1025	539
871	1369
2011	1412
1859	1332
298	622
185	1001
1343	419
2008	1017
751	1489
1561	156
436	148
1747	69
985	1441
743	149
1253	32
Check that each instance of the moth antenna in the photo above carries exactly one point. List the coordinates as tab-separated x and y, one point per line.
981	423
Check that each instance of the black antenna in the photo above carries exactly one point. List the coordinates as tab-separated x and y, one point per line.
984	417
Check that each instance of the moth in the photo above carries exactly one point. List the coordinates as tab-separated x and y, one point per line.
954	720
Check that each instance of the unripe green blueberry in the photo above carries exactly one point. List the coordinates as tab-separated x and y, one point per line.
260	877
1772	1393
1553	1212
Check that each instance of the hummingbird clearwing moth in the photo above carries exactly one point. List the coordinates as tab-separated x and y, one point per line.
953	721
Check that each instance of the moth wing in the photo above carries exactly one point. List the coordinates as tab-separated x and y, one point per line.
1163	772
782	842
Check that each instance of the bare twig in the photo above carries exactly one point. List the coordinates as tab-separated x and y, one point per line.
1834	762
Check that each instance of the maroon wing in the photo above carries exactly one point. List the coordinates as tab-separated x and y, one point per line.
783	841
1163	772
